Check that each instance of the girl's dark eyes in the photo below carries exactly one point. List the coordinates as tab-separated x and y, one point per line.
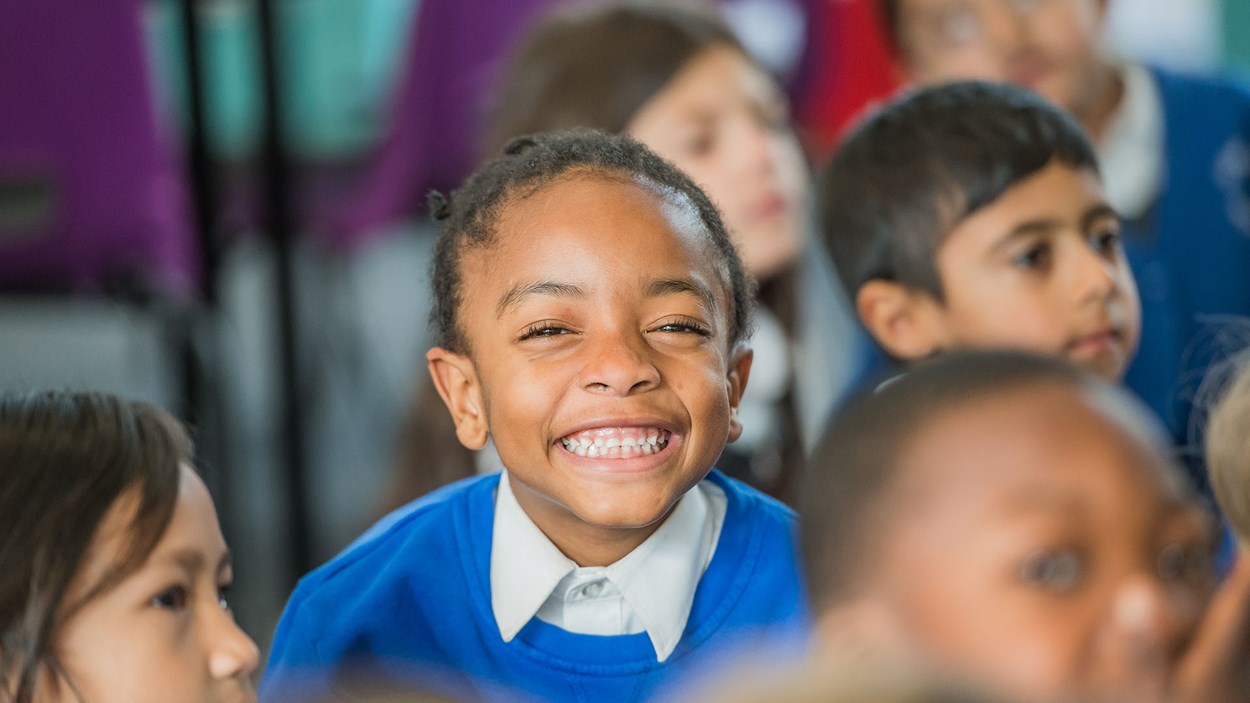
172	598
223	595
543	329
1060	571
684	327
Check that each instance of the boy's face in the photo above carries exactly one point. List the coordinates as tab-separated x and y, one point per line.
599	324
1040	268
1048	46
1046	552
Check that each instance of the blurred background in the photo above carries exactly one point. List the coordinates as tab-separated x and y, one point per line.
215	205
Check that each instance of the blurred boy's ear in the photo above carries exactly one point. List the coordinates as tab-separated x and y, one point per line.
906	322
456	379
736	384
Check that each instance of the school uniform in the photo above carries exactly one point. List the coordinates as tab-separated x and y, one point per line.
461	594
1176	162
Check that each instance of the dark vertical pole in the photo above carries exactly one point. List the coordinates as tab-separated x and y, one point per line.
277	177
203	194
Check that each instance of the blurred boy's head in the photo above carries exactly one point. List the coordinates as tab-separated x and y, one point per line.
1048	46
973	215
1006	519
1228	452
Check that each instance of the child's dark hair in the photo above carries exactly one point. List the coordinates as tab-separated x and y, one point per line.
851	476
912	171
65	460
532	163
570	72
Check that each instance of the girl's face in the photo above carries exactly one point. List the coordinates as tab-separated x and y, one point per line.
165	633
725	123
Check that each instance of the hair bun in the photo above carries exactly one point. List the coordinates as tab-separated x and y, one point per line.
439	205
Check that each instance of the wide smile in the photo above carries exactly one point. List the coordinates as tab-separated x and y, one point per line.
625	448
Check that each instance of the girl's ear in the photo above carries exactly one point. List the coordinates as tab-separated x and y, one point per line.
736	383
456	379
907	323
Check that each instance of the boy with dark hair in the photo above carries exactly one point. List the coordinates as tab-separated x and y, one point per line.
1013	522
973	215
1173	151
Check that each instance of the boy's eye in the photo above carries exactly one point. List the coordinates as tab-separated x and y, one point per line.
1057	571
1177	562
543	329
173	598
1106	241
1035	257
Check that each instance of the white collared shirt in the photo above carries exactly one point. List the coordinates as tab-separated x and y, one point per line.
1131	149
650	590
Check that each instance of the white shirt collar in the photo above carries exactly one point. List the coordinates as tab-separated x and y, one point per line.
1131	150
657	581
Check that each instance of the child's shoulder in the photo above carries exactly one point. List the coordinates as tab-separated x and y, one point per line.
410	536
1201	92
745	502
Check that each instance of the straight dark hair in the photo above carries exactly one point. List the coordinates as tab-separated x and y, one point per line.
65	460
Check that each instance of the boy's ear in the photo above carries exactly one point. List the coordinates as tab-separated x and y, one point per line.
907	322
736	383
456	379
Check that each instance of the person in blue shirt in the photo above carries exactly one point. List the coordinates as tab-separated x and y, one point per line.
593	318
1175	156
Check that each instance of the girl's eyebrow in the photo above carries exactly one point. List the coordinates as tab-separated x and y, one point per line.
522	291
669	286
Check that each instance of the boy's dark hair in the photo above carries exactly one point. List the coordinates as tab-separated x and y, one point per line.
913	170
534	162
596	65
65	460
850	476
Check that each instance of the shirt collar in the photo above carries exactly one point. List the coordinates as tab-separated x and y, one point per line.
1131	150
657	580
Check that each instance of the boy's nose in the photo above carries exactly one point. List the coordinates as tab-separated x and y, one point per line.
619	368
1153	623
231	653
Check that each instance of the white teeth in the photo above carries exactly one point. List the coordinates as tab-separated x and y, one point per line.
580	450
612	442
630	445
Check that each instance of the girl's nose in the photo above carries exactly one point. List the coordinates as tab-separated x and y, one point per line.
1153	623
231	653
620	367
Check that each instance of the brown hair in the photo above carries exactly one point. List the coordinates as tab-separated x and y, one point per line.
65	460
596	66
1228	452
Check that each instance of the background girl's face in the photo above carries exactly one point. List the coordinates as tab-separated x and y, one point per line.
165	633
725	123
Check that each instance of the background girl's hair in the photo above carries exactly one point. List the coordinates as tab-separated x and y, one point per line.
1228	448
65	460
595	66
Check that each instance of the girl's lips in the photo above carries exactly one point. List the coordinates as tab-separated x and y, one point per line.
1094	344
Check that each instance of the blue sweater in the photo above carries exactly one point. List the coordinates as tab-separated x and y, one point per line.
1191	252
410	602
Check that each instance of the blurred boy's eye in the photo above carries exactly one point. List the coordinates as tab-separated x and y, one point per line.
173	598
1056	571
1035	257
1106	241
700	143
1177	562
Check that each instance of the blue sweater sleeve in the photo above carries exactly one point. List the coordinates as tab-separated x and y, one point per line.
294	671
